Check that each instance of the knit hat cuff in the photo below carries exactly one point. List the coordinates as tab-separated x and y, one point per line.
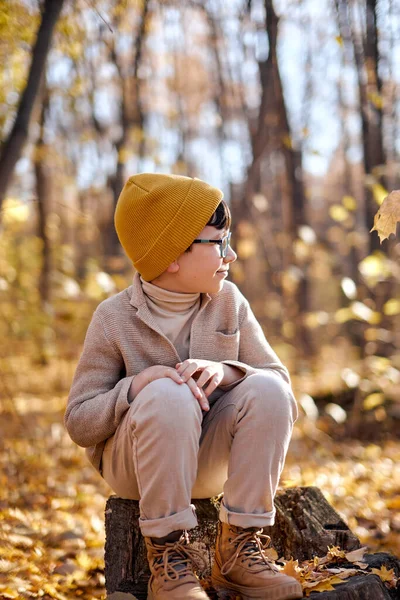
201	201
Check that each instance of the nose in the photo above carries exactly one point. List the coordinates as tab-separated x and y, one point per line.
231	255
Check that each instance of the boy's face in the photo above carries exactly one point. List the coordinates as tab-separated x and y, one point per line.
200	270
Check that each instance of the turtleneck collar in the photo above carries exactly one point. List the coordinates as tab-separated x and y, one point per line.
177	302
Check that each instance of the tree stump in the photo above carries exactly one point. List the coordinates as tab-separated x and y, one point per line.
305	525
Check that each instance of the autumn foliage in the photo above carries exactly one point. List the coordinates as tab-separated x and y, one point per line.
292	109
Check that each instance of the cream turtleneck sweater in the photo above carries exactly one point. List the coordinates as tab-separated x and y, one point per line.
174	313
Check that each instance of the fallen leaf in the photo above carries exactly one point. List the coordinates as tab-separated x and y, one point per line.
271	553
356	554
292	569
387	576
335	552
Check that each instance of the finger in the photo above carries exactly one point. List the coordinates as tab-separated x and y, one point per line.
187	372
198	394
205	376
214	383
174	375
182	365
185	364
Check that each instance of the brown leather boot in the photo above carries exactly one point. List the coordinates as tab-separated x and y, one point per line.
241	567
171	566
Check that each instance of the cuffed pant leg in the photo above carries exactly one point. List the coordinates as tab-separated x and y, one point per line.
157	445
243	447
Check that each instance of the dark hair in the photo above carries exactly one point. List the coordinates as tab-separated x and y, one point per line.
221	219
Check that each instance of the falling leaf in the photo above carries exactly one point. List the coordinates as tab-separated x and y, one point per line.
387	216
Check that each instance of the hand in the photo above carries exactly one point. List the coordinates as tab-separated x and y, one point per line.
208	371
158	372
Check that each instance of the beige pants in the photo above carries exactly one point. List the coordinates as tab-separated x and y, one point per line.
166	451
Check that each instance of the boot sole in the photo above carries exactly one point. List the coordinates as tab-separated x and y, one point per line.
150	595
289	591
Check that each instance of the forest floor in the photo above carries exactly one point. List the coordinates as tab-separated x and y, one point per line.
52	501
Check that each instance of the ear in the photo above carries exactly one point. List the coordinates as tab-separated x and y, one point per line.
173	267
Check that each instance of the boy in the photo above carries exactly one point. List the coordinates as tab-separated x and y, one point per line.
178	395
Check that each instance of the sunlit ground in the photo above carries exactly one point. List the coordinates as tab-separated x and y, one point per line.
52	501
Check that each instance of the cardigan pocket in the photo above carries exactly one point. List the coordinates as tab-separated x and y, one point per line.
226	345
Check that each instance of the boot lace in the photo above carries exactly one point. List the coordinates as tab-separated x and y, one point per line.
248	544
176	559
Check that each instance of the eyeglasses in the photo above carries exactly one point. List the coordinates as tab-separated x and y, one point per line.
223	244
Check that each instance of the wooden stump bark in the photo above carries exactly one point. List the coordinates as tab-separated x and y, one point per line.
305	526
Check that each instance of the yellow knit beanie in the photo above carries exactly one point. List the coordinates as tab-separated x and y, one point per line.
158	216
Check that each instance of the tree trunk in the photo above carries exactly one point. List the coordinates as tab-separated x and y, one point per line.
366	56
272	134
305	525
13	145
42	193
131	114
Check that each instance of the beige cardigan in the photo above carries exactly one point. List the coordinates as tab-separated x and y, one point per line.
123	339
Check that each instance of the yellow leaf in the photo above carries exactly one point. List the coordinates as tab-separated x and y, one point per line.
124	155
379	193
335	552
9	593
349	202
292	569
376	99
339	40
375	267
385	575
343	315
371	402
15	211
287	141
338	213
364	313
317	586
393	503
391	307
388	215
84	561
52	592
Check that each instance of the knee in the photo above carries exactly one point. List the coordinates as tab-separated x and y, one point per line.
271	396
167	403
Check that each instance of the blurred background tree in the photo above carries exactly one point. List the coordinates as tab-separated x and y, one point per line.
291	107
